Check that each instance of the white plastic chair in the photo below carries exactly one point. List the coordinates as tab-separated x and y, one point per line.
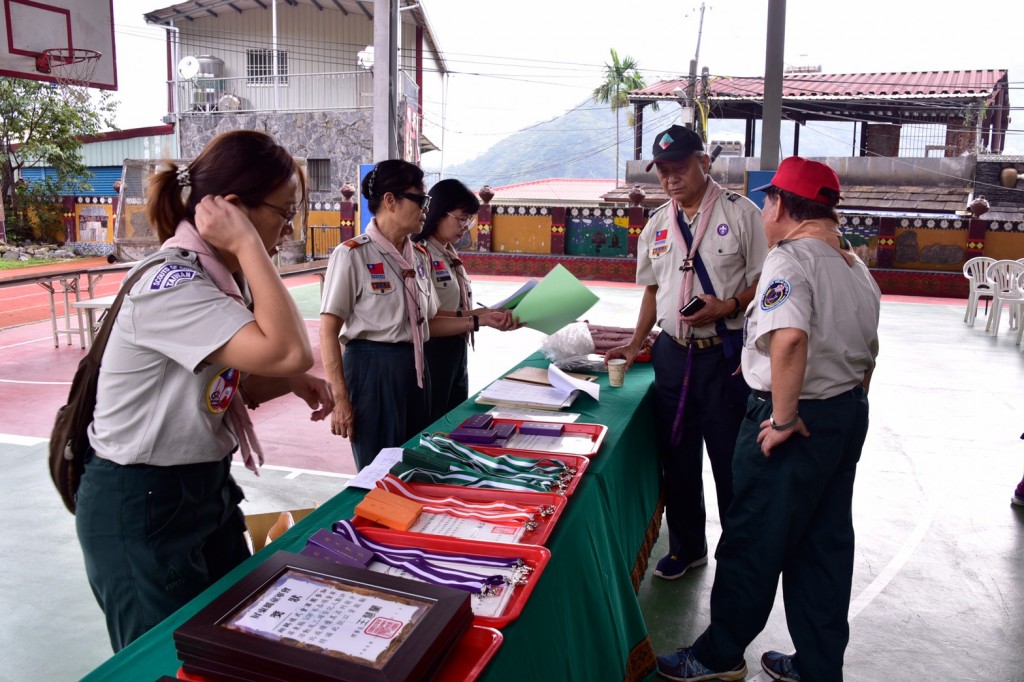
1004	276
975	271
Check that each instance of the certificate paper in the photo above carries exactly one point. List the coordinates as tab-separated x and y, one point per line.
568	444
467	529
321	614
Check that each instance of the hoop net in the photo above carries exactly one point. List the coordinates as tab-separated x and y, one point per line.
69	66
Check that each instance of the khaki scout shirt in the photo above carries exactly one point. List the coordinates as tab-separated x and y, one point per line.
364	287
446	281
806	284
732	250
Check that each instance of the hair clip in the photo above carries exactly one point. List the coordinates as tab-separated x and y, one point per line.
184	179
373	175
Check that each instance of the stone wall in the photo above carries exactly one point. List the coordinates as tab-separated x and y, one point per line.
344	137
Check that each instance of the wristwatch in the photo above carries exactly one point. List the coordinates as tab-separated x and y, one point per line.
783	427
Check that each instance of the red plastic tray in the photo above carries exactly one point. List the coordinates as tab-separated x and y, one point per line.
534	537
464	662
535	556
578	461
596	433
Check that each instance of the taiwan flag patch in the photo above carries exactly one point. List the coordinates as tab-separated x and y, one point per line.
376	270
441	273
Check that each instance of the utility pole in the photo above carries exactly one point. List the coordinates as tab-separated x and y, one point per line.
385	79
773	69
691	84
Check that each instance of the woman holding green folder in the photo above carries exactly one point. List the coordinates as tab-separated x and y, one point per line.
452	212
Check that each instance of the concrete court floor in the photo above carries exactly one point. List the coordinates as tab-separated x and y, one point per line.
939	575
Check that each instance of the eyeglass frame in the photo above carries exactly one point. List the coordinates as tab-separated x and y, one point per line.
421	200
289	216
464	223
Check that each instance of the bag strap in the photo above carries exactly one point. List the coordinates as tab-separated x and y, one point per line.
99	343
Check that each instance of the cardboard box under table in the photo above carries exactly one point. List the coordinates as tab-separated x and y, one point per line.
583	620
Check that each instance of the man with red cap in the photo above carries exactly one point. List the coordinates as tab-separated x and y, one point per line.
810	343
698	257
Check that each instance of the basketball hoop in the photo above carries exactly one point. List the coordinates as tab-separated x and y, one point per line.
69	66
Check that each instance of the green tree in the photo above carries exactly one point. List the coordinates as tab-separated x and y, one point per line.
620	77
42	124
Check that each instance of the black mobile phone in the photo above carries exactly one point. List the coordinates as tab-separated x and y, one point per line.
692	307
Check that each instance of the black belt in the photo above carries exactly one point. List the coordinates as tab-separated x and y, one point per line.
854	392
697	342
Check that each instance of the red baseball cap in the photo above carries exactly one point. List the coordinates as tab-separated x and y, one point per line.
804	178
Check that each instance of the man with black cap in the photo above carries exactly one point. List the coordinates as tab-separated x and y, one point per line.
809	350
707	244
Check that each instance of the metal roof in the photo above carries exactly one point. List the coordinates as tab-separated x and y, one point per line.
971	85
194	9
560	191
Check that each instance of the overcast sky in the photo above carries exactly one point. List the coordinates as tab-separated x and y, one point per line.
517	63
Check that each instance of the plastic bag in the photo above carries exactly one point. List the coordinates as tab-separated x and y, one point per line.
572	339
582	363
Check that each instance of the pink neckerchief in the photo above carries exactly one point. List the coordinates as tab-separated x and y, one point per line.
406	261
822	230
455	263
707	206
186	236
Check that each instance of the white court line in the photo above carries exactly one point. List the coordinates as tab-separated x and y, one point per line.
295	473
11	439
25	343
35	383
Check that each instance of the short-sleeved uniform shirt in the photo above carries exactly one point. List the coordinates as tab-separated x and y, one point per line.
806	284
446	281
365	288
158	401
732	250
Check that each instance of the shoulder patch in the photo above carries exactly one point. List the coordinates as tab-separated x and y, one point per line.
356	242
775	294
171	275
732	196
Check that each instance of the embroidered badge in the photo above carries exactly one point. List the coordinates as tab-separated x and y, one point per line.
170	275
666	141
221	389
381	287
723	229
419	269
775	294
441	273
376	270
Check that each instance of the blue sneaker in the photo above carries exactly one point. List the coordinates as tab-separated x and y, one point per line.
779	666
682	665
671	567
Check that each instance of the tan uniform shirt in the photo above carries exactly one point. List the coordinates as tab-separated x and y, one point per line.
807	285
364	287
446	281
732	250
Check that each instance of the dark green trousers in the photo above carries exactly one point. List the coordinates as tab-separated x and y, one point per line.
155	537
447	358
791	515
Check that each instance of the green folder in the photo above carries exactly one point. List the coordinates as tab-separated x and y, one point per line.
556	301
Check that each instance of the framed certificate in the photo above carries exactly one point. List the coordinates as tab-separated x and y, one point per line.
297	617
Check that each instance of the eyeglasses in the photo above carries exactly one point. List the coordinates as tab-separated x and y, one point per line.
422	200
288	215
464	223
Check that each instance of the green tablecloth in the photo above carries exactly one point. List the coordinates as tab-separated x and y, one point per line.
582	621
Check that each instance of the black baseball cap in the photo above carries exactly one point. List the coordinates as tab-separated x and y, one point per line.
675	144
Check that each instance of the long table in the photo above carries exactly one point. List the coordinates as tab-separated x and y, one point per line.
583	620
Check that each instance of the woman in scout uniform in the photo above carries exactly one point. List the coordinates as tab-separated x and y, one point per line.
209	325
453	208
379	304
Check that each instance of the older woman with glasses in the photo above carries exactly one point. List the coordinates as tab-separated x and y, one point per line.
379	305
453	209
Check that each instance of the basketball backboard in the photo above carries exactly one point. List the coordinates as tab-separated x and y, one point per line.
28	27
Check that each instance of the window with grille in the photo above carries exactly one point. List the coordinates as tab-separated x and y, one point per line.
319	174
259	68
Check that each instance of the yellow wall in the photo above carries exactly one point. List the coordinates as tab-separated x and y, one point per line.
927	237
521	234
1004	245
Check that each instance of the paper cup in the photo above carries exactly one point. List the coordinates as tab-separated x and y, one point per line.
616	371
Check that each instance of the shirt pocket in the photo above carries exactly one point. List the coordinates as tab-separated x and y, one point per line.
722	245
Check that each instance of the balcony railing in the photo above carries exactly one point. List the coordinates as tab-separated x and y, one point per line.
291	92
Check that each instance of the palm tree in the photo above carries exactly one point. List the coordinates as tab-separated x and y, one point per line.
620	77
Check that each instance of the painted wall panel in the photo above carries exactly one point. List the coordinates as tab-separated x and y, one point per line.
596	236
521	234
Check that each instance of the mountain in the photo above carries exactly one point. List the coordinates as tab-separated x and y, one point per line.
581	144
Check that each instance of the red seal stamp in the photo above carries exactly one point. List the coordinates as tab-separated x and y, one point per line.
385	628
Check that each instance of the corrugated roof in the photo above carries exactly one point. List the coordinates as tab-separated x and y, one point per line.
559	190
972	84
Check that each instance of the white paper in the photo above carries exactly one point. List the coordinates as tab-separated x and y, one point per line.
518	392
560	379
377	469
468	529
328	617
519	292
574	444
531	415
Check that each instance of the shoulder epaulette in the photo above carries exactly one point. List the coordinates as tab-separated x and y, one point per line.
658	210
421	248
356	242
732	196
